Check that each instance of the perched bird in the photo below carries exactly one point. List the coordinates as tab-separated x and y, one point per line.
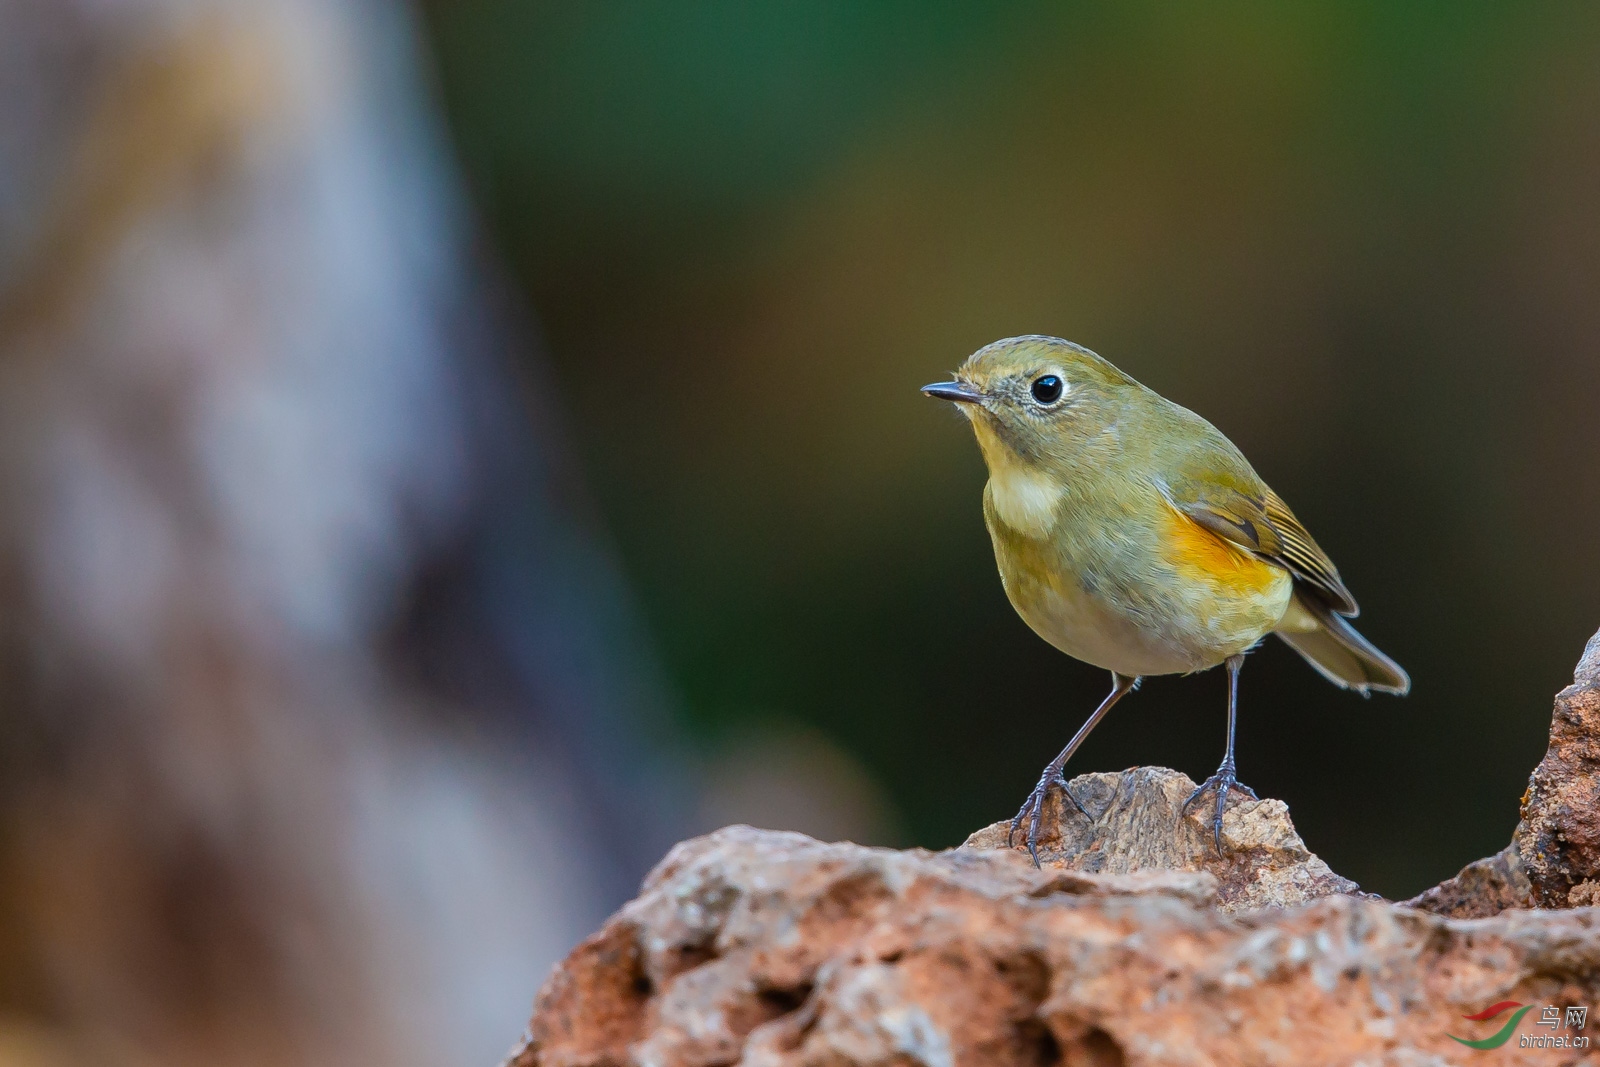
1131	534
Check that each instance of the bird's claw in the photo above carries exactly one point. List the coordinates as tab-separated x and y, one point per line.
1222	783
1033	810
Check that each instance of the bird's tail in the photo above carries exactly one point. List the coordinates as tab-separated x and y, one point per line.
1340	654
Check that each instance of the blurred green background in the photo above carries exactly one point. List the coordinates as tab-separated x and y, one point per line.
1362	239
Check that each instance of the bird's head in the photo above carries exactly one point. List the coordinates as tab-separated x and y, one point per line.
1033	400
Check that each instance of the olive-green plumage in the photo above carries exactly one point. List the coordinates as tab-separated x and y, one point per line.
1131	534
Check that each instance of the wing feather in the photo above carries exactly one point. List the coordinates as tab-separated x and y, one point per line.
1262	524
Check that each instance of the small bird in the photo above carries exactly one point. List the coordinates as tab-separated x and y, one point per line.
1132	535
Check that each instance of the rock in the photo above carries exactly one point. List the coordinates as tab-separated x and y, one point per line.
1137	827
1134	944
1559	837
766	949
1482	888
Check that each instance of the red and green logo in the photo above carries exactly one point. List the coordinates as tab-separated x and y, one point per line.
1501	1036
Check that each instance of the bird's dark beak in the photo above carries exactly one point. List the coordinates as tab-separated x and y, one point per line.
960	392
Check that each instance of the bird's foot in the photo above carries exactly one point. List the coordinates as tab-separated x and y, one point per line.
1033	810
1222	783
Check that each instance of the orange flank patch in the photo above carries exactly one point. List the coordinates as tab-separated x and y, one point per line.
1196	552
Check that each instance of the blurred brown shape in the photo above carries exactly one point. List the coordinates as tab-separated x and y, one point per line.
307	652
781	776
768	948
169	121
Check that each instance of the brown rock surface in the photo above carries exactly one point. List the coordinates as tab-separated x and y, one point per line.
1135	944
1559	837
1137	826
764	948
1482	888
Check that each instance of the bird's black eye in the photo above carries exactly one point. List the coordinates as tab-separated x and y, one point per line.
1047	389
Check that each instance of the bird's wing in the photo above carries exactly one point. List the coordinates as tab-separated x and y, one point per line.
1262	524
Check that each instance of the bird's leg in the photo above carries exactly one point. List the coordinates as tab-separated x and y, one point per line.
1033	807
1226	779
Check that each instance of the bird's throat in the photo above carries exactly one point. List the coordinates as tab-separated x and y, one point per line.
1025	500
1024	497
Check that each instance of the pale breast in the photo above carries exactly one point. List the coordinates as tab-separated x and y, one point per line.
1119	601
1025	500
1025	497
